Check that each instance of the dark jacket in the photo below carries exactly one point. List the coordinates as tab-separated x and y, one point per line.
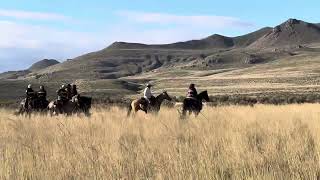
62	94
30	93
42	94
68	90
74	91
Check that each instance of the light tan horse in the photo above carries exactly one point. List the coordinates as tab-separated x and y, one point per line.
143	105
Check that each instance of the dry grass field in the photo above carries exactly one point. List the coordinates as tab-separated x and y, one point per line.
261	142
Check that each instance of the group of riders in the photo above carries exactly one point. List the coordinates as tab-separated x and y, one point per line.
38	99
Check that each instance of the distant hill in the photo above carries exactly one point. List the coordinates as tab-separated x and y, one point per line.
34	68
291	32
43	64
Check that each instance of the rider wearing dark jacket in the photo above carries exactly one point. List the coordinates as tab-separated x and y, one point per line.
42	93
30	92
62	94
30	95
74	90
42	97
192	91
68	90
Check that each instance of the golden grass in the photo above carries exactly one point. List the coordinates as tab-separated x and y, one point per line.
263	142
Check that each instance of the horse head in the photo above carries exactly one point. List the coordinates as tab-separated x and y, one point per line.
166	95
204	95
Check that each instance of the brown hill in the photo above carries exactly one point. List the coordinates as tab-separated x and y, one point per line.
291	32
33	68
43	64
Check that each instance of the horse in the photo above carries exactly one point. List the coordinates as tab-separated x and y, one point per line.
78	104
84	104
143	105
34	105
194	105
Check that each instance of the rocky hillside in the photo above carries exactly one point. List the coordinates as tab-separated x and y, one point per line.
291	32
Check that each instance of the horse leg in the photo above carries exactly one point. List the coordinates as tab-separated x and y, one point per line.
183	113
196	113
129	110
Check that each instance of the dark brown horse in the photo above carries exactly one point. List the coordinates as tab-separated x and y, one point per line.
194	105
78	104
143	105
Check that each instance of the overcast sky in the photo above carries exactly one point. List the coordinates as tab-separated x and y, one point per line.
36	29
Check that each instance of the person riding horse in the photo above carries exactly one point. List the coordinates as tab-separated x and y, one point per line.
30	97
42	97
74	90
62	97
147	94
69	93
192	101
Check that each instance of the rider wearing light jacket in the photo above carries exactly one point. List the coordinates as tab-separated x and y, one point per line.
147	94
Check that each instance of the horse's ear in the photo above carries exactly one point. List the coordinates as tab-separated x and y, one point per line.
164	91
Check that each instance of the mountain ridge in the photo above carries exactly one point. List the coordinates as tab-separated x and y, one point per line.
213	41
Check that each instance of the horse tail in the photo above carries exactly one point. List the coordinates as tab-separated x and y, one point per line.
129	110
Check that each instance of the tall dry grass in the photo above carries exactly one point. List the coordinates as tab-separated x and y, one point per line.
263	142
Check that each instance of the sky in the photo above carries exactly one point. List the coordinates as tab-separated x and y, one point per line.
61	29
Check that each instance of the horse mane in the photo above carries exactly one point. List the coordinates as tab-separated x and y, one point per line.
203	92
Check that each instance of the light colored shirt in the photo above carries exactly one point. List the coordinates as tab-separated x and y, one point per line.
147	93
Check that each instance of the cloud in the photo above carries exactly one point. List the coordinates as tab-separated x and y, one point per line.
23	44
30	15
181	20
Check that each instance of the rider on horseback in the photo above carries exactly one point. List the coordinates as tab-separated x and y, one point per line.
42	97
68	89
74	90
147	94
30	96
62	97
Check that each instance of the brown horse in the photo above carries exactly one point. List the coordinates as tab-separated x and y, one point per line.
68	108
194	105
78	104
143	105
